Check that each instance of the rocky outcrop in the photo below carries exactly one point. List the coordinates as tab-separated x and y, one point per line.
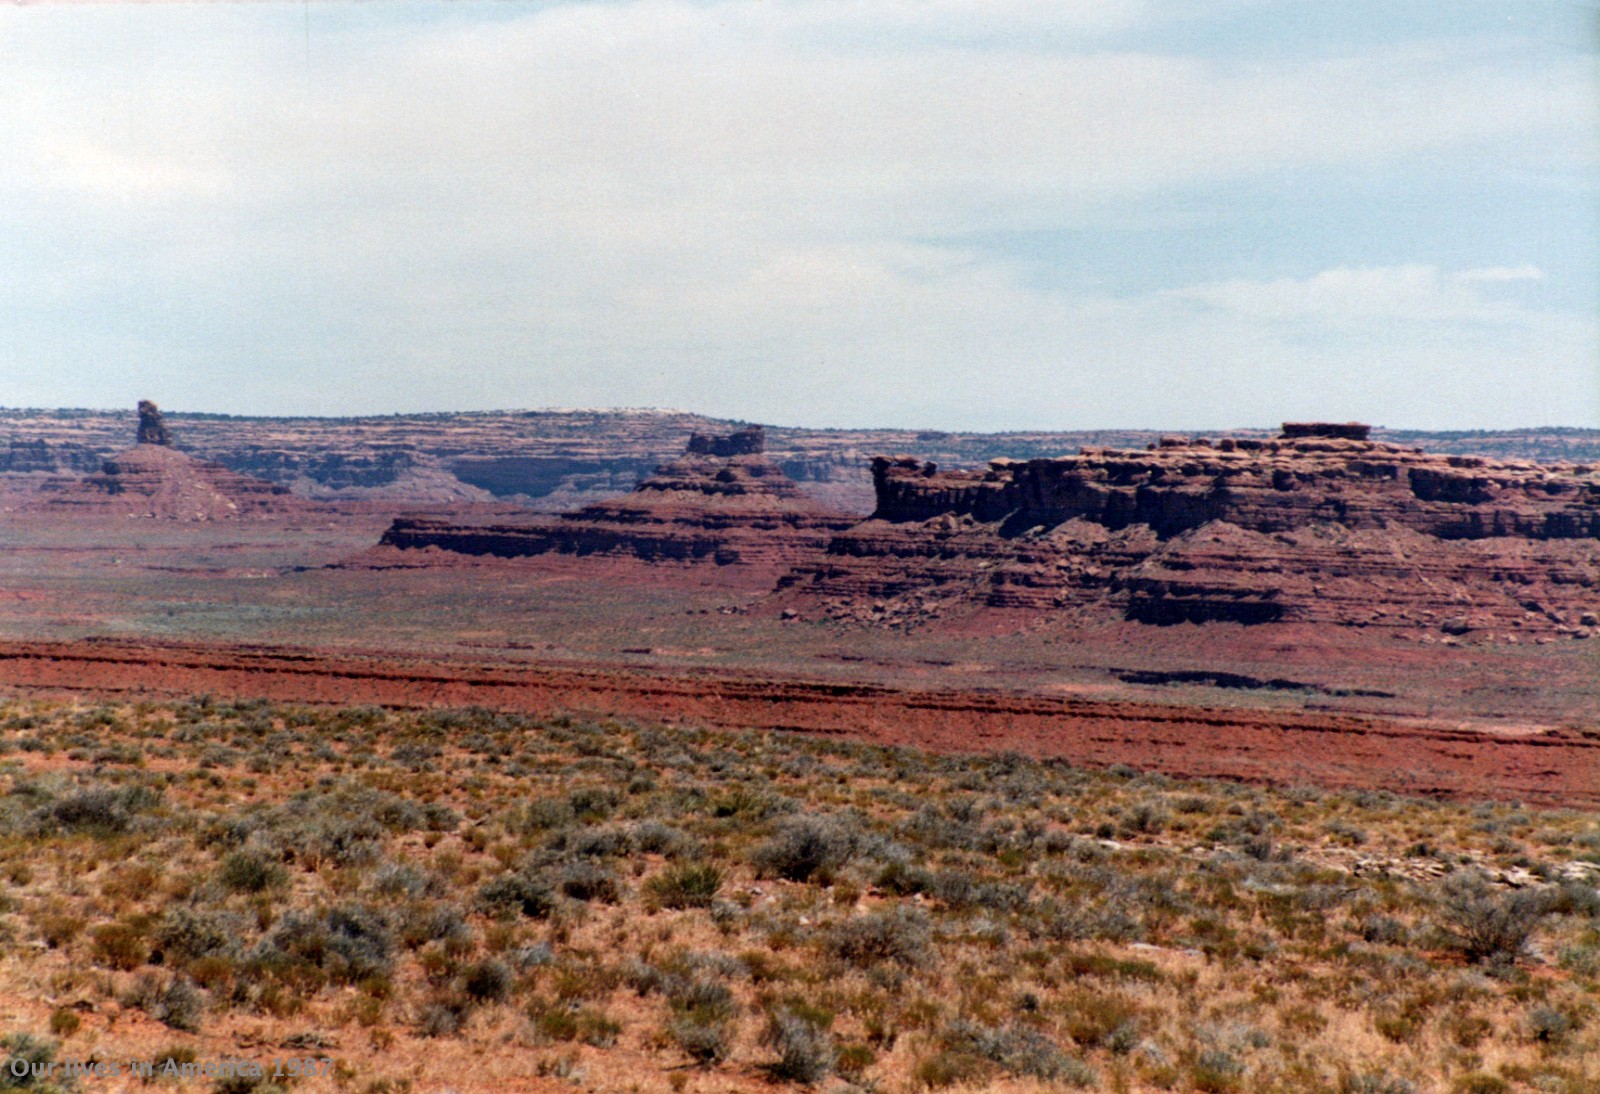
155	480
1315	525
152	427
737	509
750	441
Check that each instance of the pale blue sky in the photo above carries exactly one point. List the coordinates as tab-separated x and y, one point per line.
980	214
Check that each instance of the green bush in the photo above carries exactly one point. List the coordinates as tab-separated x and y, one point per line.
687	886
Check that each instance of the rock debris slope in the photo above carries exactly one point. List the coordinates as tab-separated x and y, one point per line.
153	479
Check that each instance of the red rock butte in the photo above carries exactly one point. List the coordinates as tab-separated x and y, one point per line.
1317	525
153	479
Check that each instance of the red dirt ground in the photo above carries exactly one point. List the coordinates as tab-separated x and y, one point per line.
1549	766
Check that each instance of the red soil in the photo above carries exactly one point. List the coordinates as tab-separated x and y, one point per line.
1549	766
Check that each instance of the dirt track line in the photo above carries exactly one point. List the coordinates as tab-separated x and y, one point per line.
1256	746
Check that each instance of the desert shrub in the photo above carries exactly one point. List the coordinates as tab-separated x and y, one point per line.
706	1043
395	879
1548	1025
1018	1050
249	872
1345	833
519	892
900	935
541	814
349	943
187	934
1376	1082
806	847
945	1068
593	803
605	841
1216	1072
535	956
1383	930
687	886
422	923
345	826
1575	898
1144	817
563	1023
588	882
121	945
64	1022
750	804
100	811
487	981
962	891
174	1002
699	999
1484	925
903	879
655	838
1479	1082
26	1065
1100	1019
444	1016
805	1050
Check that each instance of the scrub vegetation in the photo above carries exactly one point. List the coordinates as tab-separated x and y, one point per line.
471	900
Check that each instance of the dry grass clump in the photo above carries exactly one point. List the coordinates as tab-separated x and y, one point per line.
419	894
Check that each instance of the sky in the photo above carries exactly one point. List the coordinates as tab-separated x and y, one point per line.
951	214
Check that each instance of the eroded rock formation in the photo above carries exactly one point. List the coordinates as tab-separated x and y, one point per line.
1318	524
152	479
750	441
721	502
558	460
152	427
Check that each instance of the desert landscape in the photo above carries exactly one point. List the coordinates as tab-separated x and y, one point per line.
718	781
733	547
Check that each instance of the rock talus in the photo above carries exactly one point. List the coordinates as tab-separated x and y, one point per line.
153	479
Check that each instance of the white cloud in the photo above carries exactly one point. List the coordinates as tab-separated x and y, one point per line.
653	201
1338	297
1491	275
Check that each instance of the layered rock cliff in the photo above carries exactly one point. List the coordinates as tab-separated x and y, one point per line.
722	502
1318	525
556	460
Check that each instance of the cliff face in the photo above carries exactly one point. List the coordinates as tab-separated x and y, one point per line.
1316	525
1265	486
732	510
559	459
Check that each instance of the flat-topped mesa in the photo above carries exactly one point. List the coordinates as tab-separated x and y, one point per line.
750	441
730	465
1347	431
1316	525
152	427
723	501
1262	485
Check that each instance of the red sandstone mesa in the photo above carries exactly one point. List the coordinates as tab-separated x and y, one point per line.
1318	525
722	502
